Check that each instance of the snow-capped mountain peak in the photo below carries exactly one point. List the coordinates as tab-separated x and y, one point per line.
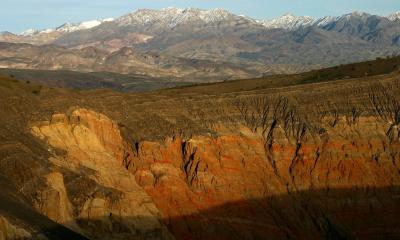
29	32
288	21
394	16
173	16
356	14
72	27
67	27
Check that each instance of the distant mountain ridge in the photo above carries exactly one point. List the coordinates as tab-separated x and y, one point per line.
216	37
173	16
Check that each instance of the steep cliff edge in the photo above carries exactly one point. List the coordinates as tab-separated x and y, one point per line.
185	178
105	198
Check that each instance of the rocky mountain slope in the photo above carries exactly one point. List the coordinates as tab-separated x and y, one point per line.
282	157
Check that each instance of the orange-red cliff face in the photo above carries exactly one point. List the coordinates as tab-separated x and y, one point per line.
237	172
337	184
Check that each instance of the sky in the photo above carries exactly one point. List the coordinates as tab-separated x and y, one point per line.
19	15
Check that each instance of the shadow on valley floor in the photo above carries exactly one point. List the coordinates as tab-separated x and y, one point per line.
370	213
367	213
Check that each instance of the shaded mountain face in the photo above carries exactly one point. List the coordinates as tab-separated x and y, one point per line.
217	44
305	156
371	28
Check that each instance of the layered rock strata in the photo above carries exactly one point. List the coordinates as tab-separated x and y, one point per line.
239	184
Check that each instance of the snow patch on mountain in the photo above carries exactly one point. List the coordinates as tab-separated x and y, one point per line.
324	21
288	21
358	16
394	16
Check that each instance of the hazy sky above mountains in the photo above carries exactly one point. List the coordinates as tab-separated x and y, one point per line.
19	15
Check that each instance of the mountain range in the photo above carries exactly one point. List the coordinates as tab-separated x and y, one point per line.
174	16
220	44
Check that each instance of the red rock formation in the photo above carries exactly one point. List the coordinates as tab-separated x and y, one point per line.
187	177
233	186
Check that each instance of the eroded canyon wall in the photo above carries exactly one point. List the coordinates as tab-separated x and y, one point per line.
341	182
